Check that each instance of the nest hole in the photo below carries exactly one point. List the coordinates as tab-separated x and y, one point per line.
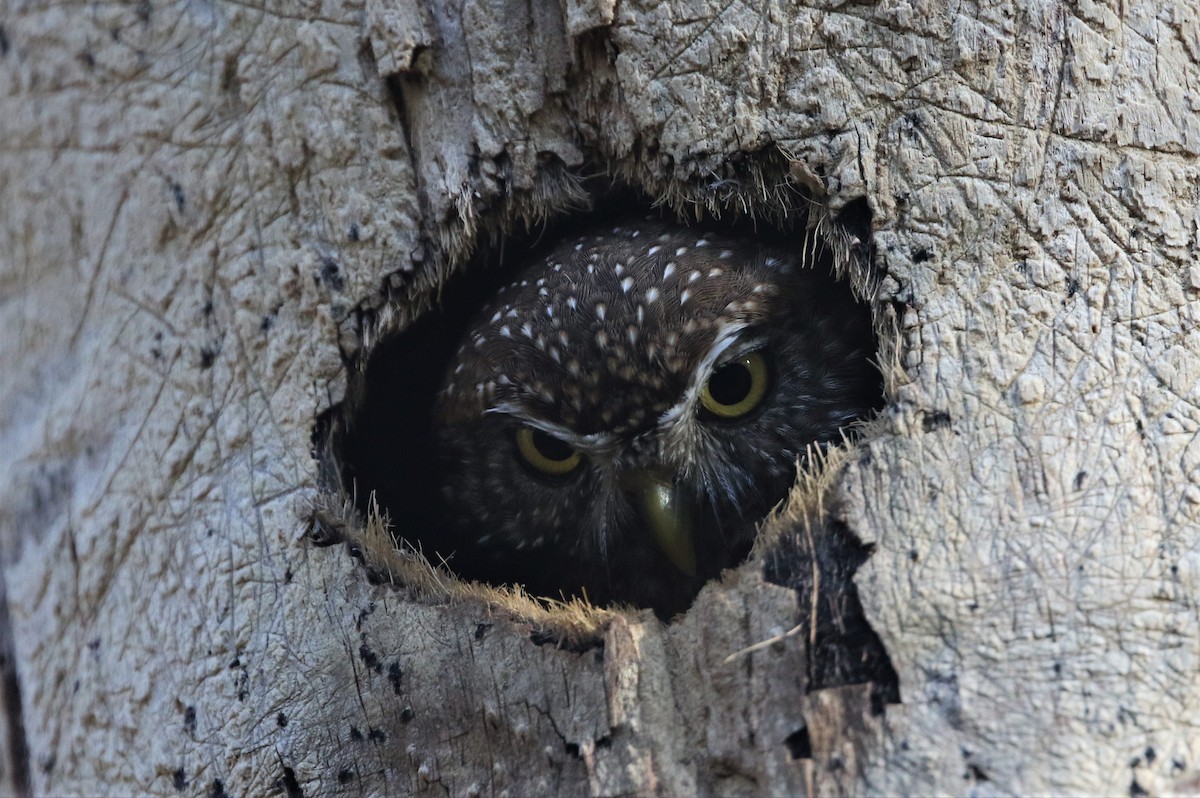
385	442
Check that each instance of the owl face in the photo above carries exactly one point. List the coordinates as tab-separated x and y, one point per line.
620	417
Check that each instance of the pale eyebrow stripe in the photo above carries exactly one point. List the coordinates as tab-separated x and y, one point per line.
596	443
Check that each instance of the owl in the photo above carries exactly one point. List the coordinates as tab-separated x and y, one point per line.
620	417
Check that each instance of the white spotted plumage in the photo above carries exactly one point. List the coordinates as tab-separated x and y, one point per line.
606	345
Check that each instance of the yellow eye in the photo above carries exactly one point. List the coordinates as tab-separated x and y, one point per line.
736	388
547	453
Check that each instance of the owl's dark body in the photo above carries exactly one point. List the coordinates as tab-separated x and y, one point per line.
619	419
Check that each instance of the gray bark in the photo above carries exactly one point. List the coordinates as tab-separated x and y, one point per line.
200	199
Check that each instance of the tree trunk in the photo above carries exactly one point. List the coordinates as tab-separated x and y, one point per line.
212	210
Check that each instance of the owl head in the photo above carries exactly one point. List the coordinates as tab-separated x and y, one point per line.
620	417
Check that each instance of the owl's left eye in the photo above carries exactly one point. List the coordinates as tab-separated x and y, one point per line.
546	453
736	388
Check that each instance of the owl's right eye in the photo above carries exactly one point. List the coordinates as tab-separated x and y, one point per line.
545	453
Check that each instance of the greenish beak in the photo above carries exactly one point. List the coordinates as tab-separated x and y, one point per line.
666	512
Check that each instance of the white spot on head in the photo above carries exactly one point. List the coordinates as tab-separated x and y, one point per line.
758	289
725	254
626	284
651	294
701	242
579	246
527	330
496	318
714	272
684	297
641	314
505	332
550	311
512	314
668	270
601	310
618	269
653	249
680	251
694	276
601	338
572	303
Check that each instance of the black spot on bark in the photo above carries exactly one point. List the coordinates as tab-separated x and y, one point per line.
288	784
571	749
353	232
281	720
355	734
1150	755
3	41
189	721
331	275
15	742
179	779
976	773
798	744
370	658
345	776
921	255
208	356
1072	287
545	637
217	789
1079	478
376	735
935	420
481	629
407	715
1136	789
229	78
363	615
913	555
394	674
177	194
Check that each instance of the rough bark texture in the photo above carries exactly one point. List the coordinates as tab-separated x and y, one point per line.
200	200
